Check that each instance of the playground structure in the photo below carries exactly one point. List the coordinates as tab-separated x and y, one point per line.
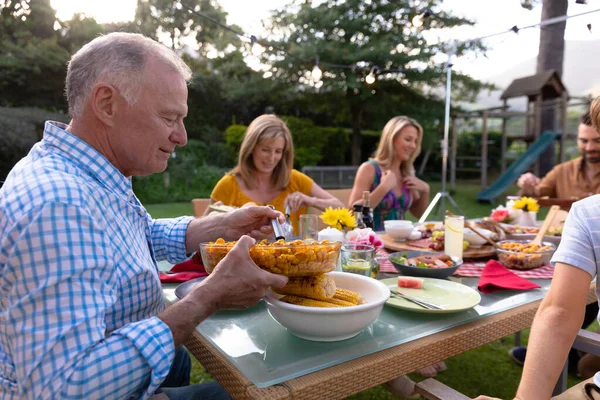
544	91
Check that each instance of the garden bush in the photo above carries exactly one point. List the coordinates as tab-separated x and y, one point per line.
188	175
20	129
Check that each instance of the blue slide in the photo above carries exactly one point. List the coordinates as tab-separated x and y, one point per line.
518	168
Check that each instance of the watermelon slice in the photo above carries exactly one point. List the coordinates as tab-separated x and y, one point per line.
410	282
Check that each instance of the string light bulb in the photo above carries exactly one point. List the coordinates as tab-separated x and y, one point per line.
370	79
316	71
419	20
257	49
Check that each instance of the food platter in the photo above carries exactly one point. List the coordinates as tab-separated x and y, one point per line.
481	252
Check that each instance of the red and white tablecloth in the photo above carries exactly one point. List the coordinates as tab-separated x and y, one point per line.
470	268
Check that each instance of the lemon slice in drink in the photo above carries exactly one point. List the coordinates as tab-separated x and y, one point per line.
451	228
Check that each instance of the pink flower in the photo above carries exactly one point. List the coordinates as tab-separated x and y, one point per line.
500	215
364	236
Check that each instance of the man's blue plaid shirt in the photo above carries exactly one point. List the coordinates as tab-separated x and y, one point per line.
79	285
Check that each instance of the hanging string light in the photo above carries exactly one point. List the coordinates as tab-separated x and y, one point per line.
316	71
419	20
370	79
257	49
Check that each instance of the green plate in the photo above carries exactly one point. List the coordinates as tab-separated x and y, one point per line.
452	296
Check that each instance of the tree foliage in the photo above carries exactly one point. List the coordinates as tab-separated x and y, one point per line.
365	34
182	25
32	63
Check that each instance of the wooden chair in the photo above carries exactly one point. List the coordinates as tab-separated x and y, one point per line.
586	341
200	205
433	389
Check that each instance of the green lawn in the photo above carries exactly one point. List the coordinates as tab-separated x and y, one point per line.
485	370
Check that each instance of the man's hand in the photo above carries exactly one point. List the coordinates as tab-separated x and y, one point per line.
528	182
237	282
252	221
484	397
248	220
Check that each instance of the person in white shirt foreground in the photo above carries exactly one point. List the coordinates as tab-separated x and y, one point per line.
561	313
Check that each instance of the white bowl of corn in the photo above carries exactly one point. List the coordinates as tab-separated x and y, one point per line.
324	308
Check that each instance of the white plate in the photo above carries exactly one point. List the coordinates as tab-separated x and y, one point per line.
452	296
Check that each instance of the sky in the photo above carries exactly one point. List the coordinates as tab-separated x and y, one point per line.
491	16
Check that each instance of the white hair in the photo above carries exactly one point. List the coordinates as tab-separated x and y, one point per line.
118	58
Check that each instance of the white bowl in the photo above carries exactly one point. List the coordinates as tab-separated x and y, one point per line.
331	324
398	230
474	239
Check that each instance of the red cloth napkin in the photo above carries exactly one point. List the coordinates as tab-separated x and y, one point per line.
184	271
496	277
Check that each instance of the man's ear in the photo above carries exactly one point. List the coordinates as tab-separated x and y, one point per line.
103	101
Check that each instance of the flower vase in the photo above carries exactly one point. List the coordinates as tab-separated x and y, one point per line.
526	218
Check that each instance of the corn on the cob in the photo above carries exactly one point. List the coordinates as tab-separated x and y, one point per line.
348	295
339	302
318	287
303	301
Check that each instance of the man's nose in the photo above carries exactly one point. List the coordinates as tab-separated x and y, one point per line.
179	136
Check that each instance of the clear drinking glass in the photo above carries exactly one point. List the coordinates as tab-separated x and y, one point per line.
358	258
453	235
309	227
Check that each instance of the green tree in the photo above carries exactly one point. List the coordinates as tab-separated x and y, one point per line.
175	19
32	63
78	31
364	34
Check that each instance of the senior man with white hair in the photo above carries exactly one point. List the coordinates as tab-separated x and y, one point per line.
82	314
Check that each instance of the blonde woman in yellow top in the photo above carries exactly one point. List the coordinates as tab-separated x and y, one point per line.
265	175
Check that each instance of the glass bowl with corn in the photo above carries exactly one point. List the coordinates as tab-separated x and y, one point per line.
297	258
524	255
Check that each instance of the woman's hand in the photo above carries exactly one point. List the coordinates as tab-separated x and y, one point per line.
414	183
388	180
297	200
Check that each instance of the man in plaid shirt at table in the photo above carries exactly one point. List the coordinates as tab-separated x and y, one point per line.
82	314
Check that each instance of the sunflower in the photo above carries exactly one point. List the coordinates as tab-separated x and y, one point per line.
339	218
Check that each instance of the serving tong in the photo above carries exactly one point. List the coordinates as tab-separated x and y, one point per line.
422	303
282	230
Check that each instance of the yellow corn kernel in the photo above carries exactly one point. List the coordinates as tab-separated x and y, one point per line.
303	301
318	287
348	295
339	302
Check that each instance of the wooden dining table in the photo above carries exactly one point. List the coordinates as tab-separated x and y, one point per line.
253	357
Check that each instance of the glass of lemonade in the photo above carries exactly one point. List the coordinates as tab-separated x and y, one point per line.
358	258
453	235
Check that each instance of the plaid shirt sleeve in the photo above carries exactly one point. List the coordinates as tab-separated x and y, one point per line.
168	238
59	264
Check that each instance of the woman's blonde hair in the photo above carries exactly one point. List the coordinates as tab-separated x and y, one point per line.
263	128
386	154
